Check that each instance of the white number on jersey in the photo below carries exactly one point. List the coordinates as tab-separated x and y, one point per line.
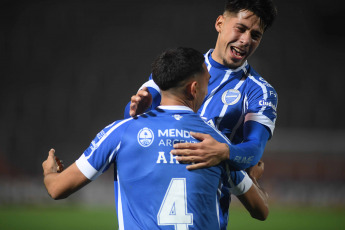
173	210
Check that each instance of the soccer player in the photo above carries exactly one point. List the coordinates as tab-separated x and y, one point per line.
152	190
240	103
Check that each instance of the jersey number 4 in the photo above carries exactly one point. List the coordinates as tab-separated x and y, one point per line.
173	210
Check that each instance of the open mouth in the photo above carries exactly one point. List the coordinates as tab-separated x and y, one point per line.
237	52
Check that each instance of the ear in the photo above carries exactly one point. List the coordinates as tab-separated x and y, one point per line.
193	86
219	23
191	89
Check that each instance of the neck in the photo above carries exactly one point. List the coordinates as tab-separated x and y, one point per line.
170	99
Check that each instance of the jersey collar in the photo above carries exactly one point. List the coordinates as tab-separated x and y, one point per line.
175	107
209	61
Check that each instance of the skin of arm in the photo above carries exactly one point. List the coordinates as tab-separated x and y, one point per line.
61	184
255	199
210	152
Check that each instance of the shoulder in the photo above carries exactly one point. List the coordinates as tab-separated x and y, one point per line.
257	81
210	129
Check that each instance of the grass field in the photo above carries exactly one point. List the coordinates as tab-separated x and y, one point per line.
75	218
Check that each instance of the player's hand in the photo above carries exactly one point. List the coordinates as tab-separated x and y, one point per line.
204	154
256	171
53	164
140	102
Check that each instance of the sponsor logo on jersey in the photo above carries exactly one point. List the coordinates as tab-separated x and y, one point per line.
145	137
231	97
267	103
177	116
265	82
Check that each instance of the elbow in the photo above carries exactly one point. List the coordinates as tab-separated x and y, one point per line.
260	214
56	194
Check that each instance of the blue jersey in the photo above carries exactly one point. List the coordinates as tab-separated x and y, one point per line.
152	190
236	98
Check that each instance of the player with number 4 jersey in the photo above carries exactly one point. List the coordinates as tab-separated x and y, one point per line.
152	189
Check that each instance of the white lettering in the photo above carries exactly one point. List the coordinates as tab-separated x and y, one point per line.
162	134
174	133
273	93
267	103
171	132
172	158
161	157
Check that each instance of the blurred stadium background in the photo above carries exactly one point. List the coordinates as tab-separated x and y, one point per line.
68	68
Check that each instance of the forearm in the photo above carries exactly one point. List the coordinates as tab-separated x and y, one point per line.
51	182
255	200
245	155
249	152
61	185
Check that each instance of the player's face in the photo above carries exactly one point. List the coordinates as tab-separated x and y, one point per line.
203	80
238	37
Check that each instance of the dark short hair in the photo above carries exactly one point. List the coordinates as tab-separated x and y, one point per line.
264	9
174	66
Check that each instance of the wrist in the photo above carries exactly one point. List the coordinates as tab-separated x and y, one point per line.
226	155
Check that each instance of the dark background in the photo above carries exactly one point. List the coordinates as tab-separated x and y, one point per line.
68	68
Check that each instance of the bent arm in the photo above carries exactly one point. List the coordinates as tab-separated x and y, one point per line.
249	152
61	185
209	152
255	201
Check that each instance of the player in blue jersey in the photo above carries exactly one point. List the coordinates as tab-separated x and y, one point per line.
240	103
152	190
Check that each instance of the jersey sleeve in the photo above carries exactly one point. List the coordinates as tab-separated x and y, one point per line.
102	151
239	182
262	103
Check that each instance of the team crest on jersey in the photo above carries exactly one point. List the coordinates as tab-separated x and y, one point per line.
231	96
177	116
145	137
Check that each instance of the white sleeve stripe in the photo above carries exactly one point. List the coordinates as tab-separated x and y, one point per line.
88	170
106	135
242	187
226	77
220	133
207	61
262	119
85	167
264	90
151	84
119	205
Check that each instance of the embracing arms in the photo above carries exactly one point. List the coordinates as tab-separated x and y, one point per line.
209	152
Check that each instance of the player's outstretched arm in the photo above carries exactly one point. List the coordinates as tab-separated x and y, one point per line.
61	183
255	199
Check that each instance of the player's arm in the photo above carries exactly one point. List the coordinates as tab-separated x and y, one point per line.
209	152
255	199
61	183
148	97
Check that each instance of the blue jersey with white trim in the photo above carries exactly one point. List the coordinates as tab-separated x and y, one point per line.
152	190
238	101
237	96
